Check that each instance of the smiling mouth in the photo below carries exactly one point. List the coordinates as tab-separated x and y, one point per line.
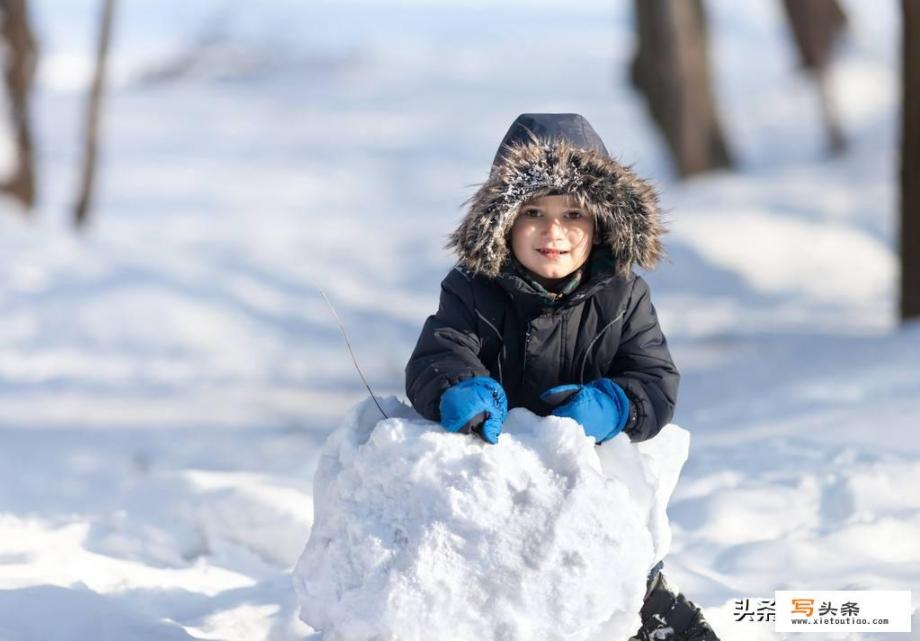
552	253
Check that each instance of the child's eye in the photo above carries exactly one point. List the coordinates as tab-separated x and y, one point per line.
532	213
574	215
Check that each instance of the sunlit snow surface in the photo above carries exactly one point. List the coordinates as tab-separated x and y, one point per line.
167	379
421	534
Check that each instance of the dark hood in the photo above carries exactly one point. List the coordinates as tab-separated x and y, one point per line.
545	154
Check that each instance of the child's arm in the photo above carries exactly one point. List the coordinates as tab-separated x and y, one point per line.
643	367
447	351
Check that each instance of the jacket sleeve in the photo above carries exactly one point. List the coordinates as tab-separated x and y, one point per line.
447	350
643	367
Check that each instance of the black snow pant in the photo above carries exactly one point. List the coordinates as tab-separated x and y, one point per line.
666	615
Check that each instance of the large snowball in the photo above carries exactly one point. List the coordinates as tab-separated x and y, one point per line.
421	534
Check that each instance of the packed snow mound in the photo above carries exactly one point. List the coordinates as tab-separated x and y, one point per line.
421	534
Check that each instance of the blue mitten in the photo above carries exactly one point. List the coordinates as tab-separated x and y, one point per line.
601	407
475	401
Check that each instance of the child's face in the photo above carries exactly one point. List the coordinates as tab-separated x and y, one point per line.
552	236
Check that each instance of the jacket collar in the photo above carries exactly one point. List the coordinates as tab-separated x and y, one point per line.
601	268
552	289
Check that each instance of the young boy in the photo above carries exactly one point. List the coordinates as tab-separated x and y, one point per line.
543	310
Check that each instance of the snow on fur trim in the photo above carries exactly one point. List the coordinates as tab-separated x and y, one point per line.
624	206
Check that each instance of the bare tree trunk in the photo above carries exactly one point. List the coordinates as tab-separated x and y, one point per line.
816	27
671	69
81	212
19	72
910	162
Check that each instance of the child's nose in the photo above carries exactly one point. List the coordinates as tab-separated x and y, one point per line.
554	226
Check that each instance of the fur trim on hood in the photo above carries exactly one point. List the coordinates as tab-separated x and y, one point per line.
624	206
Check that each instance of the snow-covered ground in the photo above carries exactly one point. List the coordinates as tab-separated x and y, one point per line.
167	380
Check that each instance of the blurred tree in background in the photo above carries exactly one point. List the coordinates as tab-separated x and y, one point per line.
671	70
19	71
910	161
816	27
20	63
93	108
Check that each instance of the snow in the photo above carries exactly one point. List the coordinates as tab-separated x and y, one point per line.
770	251
421	534
168	379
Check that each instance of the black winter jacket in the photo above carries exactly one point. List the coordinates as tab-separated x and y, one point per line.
504	329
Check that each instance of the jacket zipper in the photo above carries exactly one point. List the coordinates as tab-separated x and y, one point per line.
524	360
501	343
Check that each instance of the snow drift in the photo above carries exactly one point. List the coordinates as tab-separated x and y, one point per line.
422	534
